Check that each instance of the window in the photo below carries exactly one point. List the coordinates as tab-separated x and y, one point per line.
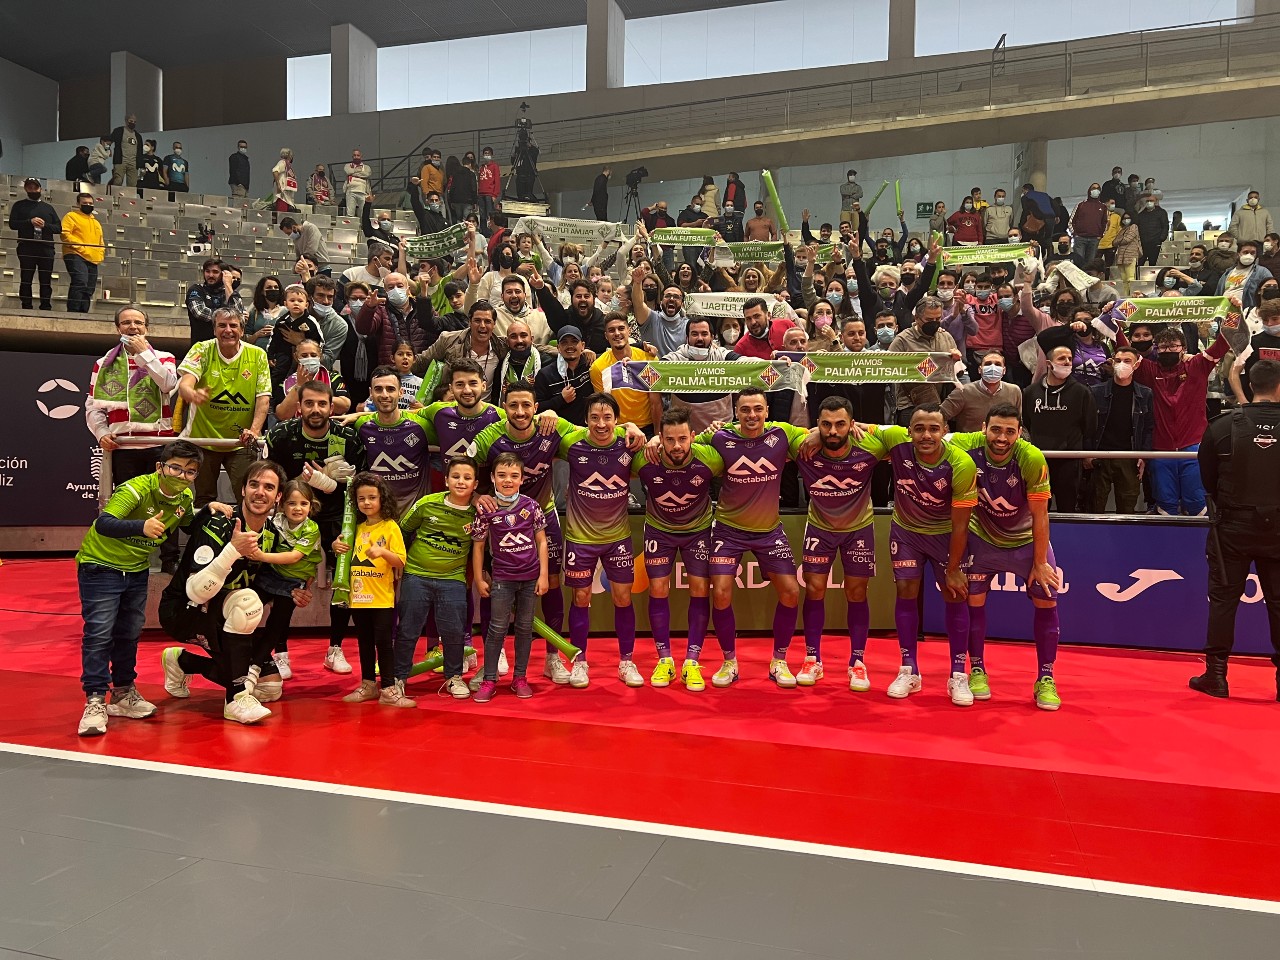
308	87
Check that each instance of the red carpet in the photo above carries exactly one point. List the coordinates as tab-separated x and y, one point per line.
1136	779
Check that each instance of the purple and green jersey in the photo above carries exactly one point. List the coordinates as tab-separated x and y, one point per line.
679	498
398	453
599	484
924	494
840	490
1005	490
452	432
752	487
512	534
536	454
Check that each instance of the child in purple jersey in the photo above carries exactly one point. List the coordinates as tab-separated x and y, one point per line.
516	534
838	480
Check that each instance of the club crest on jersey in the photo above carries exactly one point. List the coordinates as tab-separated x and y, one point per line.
511	519
771	441
940	484
246	374
697	481
411	440
1013	480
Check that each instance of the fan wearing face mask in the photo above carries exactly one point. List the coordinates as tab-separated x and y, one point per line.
1244	278
1181	384
883	288
1153	227
966	225
1264	345
1125	422
957	315
1252	219
966	407
1060	414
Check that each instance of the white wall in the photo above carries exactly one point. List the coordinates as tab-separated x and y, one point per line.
753	39
28	114
949	26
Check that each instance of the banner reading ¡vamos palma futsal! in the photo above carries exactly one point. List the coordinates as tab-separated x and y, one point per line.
703	376
557	230
992	253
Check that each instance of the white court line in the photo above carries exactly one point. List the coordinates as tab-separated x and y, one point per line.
957	867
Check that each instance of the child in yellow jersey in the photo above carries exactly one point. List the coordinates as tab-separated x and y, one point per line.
377	556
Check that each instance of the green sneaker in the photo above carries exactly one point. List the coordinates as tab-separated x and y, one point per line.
663	673
978	684
1047	694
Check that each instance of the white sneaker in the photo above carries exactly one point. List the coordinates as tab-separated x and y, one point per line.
282	662
469	662
578	678
128	702
503	667
958	689
368	690
555	670
393	696
457	688
93	722
268	691
336	661
904	684
175	681
245	708
726	675
859	682
781	674
629	674
810	672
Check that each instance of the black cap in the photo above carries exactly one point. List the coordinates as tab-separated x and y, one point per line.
569	331
29	181
1055	336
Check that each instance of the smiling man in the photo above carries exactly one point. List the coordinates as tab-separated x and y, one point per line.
1009	533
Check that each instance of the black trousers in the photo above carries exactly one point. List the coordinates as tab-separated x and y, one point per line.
375	631
230	654
30	261
1243	539
1064	481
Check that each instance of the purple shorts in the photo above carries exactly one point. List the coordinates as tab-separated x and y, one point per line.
660	552
580	562
555	543
857	549
985	560
772	550
910	551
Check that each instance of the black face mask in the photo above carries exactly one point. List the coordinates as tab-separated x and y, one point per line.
651	296
1270	293
33	196
235	284
506	260
1142	346
1168	360
271	296
86	208
929	328
1063	309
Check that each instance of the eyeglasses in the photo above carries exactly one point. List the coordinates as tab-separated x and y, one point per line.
174	470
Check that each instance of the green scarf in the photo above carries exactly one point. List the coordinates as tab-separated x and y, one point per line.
138	394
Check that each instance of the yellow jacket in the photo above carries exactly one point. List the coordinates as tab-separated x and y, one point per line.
82	236
432	179
1111	233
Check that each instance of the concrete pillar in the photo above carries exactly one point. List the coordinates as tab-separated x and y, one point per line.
353	71
137	87
902	29
1038	164
606	43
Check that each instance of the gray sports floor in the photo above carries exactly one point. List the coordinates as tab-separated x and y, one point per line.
104	862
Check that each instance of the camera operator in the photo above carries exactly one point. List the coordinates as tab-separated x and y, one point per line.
524	158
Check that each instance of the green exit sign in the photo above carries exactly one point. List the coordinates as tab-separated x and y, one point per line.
924	210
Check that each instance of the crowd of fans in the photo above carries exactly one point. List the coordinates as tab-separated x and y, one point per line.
1020	329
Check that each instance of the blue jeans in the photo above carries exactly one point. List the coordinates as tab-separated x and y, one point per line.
1085	251
419	597
1176	483
114	607
84	279
506	596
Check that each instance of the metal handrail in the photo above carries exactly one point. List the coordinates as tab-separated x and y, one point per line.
1041	72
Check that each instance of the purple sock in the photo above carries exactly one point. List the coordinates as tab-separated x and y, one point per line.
815	613
699	614
726	630
977	637
859	618
907	619
660	624
957	618
579	624
553	610
624	621
784	626
1044	627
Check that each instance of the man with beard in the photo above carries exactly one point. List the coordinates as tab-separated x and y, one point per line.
665	326
325	454
677	519
704	408
838	479
582	312
206	298
514	306
1009	533
210	600
935	493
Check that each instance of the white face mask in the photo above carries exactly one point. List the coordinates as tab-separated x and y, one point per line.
1122	369
1246	259
946	293
851	179
1095	194
730	335
1224	244
697	353
1268	246
1253	201
1062	370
